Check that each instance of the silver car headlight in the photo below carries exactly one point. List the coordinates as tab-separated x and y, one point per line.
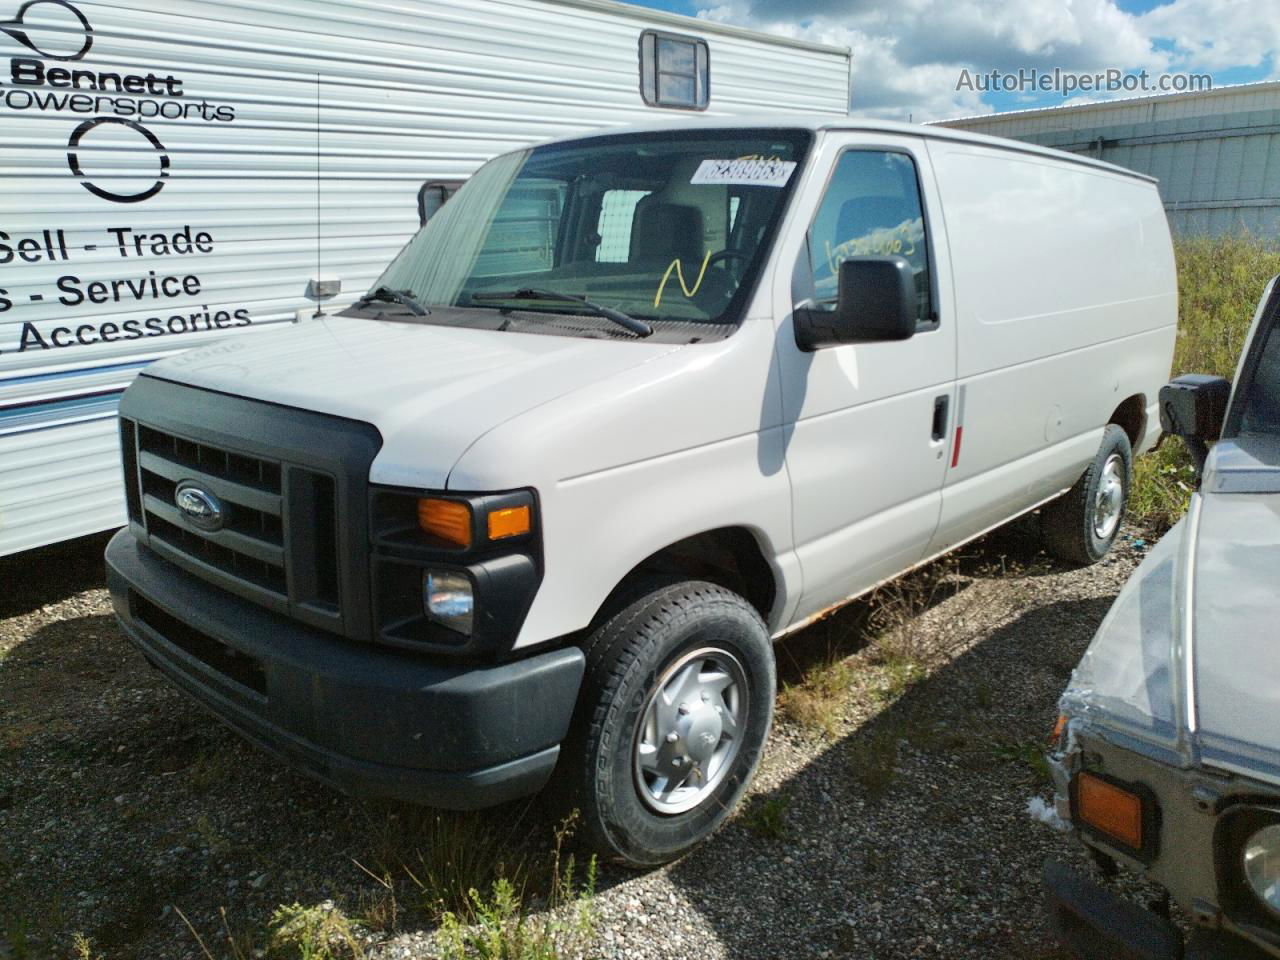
1262	865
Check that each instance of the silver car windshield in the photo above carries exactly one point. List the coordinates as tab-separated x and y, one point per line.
1261	411
662	226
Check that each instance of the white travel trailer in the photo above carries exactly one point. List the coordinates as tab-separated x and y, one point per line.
177	172
529	509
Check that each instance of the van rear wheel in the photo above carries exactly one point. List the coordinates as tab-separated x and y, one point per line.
675	709
1082	524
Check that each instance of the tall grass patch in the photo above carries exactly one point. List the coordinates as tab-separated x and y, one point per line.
1219	282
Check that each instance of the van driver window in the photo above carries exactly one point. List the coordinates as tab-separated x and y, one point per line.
871	208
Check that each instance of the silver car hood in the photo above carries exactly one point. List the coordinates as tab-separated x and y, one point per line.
1186	663
1236	609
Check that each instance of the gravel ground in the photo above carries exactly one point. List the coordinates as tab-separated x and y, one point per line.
901	831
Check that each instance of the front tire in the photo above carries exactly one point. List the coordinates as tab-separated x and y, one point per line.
1082	524
675	709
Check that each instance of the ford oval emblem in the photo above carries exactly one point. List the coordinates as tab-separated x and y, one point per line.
199	507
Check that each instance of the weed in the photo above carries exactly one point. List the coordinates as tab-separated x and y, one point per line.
216	843
211	768
1026	753
983	695
443	855
905	643
82	947
767	816
817	702
873	762
320	932
897	674
378	909
499	927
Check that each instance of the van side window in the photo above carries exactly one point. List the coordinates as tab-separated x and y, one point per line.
872	207
617	213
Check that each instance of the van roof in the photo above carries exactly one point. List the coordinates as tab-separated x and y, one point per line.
855	123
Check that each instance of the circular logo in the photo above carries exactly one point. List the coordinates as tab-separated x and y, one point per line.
69	40
199	507
73	159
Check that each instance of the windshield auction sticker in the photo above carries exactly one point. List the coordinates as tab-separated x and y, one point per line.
744	172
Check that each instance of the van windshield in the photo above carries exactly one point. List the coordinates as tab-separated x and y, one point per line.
669	228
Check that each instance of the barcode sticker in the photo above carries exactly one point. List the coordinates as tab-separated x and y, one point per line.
745	171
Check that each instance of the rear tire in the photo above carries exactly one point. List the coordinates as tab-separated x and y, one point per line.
1082	524
675	708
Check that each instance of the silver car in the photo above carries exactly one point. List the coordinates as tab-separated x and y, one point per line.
1166	760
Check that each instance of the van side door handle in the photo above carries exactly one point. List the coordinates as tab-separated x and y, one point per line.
940	406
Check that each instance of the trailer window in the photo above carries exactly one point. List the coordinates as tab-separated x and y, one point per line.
675	71
872	207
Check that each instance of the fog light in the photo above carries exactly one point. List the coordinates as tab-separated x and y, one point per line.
1262	865
447	599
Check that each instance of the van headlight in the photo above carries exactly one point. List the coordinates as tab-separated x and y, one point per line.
1262	865
449	599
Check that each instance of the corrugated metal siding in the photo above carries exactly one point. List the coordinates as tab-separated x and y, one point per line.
341	111
1216	154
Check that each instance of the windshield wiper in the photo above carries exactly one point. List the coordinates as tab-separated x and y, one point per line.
402	297
638	327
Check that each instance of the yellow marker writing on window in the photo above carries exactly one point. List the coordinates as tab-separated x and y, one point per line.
679	271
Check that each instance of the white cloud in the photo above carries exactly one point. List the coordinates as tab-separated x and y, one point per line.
1217	34
908	54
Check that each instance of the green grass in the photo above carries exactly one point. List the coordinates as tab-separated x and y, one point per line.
1219	282
767	816
499	925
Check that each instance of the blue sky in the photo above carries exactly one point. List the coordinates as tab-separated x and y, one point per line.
909	54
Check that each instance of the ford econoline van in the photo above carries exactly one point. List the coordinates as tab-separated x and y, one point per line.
626	409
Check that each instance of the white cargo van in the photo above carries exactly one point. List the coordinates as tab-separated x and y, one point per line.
628	407
178	172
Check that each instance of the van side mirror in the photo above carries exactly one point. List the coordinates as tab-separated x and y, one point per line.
876	301
1193	407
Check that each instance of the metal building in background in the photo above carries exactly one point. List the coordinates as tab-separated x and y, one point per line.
1216	153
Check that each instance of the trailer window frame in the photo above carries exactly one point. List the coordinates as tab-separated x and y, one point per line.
651	71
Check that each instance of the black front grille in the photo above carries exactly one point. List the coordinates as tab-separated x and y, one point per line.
293	486
249	547
250	552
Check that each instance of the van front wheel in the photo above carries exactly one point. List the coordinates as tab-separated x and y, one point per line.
1082	524
675	709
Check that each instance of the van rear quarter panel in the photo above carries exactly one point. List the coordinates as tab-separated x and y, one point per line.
1066	300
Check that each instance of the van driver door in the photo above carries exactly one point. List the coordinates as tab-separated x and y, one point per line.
866	426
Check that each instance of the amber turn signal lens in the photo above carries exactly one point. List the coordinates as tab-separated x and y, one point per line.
1058	728
1109	809
447	519
509	522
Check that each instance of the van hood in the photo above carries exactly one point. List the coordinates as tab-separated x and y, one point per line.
1207	689
431	391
